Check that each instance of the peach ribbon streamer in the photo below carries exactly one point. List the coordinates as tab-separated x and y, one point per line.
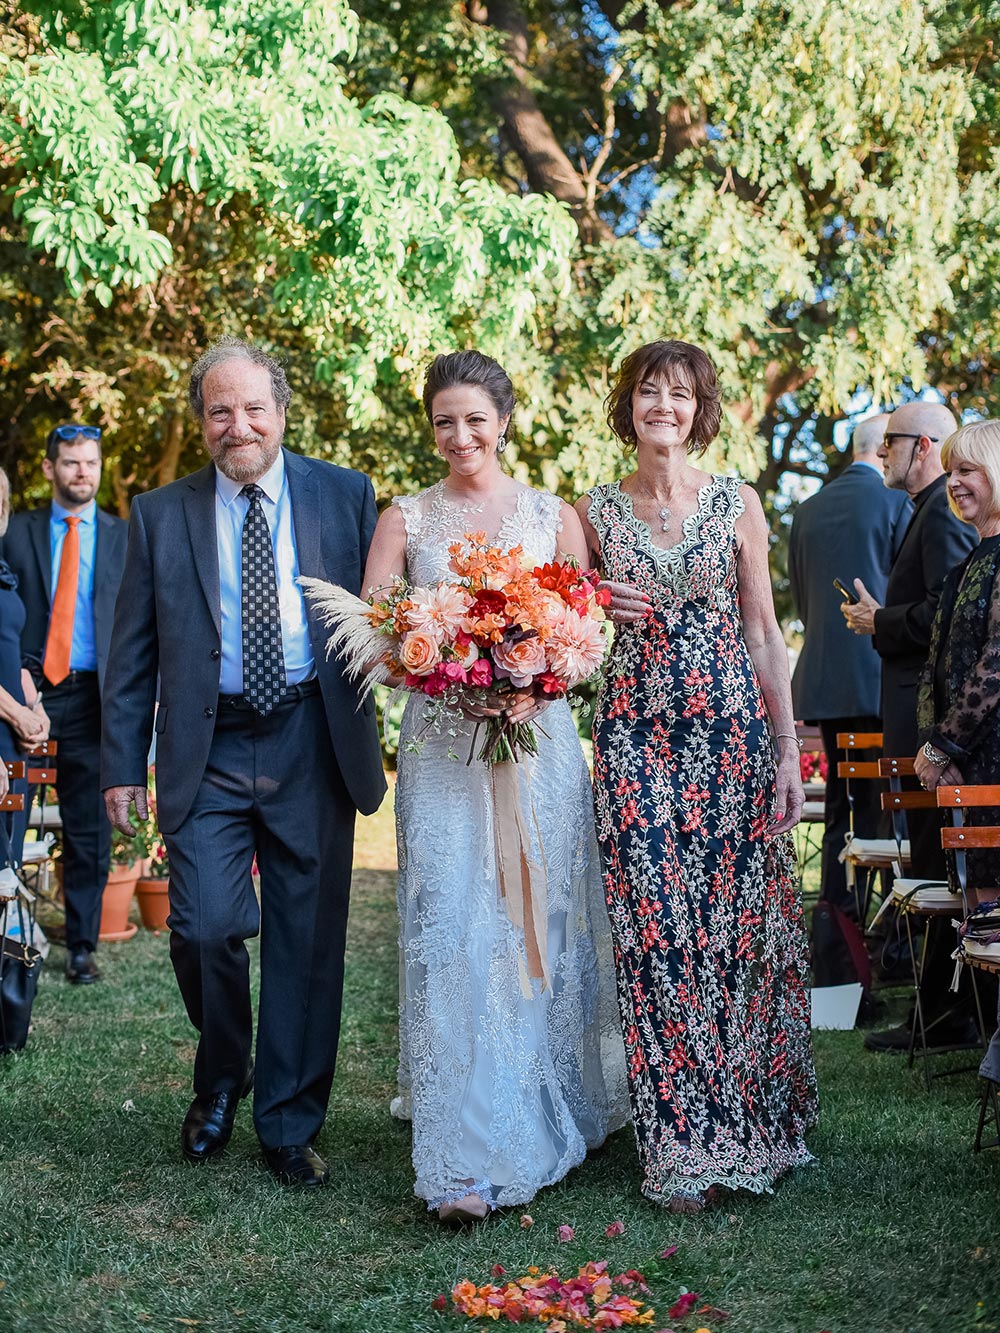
523	881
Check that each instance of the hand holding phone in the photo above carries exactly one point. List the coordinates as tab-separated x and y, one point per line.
845	592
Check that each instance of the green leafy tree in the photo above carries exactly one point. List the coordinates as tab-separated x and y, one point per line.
173	172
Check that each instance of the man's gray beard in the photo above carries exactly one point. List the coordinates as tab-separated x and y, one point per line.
245	470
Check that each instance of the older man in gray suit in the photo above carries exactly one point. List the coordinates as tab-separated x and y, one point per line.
851	528
262	750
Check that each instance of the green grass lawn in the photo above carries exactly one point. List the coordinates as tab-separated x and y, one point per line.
103	1227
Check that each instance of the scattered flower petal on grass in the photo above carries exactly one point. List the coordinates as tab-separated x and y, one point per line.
587	1301
498	1270
527	1220
682	1306
439	1303
565	1233
615	1229
669	1252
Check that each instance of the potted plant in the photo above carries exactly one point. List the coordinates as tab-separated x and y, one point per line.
152	887
127	853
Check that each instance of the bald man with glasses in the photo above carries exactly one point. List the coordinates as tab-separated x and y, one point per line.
69	557
934	542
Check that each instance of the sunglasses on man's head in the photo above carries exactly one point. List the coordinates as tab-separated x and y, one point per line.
71	432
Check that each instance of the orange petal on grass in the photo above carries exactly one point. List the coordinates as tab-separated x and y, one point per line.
527	1220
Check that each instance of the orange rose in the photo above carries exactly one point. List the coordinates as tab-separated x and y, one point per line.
419	653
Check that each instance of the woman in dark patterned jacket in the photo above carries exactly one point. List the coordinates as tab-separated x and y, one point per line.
959	707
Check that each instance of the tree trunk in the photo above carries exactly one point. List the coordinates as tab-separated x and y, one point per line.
547	167
173	442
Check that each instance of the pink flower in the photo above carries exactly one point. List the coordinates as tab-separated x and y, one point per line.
454	672
519	660
481	672
437	611
615	1229
576	647
564	1233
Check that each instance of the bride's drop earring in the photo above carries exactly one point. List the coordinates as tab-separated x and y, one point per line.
501	442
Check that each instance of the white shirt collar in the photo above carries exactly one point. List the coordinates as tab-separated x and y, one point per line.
270	483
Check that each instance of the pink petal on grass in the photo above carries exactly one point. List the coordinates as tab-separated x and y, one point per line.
615	1229
565	1233
669	1252
498	1270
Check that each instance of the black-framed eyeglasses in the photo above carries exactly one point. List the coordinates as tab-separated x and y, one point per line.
72	432
901	435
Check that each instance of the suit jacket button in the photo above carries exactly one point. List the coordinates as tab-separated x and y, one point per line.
210	712
215	654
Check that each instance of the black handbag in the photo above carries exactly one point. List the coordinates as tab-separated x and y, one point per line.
20	968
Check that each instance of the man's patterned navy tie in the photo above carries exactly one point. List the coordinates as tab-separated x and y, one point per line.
263	659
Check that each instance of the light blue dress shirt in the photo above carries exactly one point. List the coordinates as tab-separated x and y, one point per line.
83	652
230	511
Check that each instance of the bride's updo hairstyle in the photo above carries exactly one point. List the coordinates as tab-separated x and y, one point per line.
452	369
669	359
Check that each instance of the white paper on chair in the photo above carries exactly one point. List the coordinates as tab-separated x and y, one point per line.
836	1007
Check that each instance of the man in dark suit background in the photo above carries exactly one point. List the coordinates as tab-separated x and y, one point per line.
68	557
934	542
262	749
851	528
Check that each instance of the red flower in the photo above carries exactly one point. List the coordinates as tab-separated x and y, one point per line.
615	1229
439	1303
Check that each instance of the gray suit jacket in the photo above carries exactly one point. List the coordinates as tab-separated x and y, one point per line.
851	528
28	551
168	623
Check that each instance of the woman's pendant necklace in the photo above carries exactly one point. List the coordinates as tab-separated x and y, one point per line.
664	519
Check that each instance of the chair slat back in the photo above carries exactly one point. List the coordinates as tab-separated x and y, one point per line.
15	768
908	800
896	768
859	740
44	750
11	802
953	797
856	768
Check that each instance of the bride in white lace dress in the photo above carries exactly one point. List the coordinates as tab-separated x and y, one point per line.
506	1092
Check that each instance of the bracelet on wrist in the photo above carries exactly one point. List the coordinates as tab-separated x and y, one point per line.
788	736
935	756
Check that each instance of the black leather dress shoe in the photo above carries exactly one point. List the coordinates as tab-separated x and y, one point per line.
943	1034
81	969
208	1125
298	1165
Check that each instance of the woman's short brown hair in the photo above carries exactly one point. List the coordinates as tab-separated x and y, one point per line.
665	359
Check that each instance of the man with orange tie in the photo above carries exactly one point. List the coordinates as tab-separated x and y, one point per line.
69	557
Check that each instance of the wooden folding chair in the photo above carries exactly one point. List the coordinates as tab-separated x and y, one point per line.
13	802
810	845
961	838
864	858
929	901
43	818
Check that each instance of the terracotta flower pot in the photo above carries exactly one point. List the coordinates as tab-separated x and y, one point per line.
154	903
116	902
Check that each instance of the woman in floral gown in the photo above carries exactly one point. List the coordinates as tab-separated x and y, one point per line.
506	1087
693	813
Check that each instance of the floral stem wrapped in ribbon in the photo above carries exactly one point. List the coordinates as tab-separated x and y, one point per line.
500	627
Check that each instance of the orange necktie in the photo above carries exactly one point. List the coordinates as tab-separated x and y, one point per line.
60	640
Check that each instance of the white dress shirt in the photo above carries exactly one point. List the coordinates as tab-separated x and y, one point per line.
230	510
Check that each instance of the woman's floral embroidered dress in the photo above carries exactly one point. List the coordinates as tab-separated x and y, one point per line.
705	911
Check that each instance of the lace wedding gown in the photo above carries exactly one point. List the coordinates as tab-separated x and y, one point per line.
505	1093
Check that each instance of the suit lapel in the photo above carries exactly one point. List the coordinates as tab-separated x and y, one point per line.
41	544
303	491
199	511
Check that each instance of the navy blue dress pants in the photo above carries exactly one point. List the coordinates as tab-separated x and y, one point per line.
271	789
74	709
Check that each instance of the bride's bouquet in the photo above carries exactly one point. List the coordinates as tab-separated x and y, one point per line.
499	626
